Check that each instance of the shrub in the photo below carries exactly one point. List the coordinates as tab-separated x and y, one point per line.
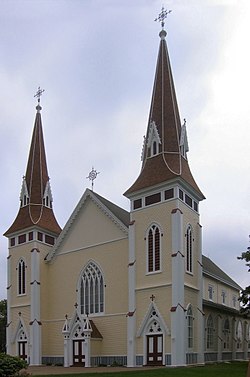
11	365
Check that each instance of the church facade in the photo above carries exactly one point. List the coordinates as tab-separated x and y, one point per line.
118	287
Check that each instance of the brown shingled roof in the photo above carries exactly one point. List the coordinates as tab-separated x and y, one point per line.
169	162
36	179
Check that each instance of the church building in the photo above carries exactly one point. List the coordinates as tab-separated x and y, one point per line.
118	287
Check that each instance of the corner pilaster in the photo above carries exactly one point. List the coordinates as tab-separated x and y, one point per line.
177	311
131	316
35	322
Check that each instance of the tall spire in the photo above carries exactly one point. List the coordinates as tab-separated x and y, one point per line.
165	145
36	198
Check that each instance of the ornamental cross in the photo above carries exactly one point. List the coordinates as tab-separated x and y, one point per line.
92	176
152	297
39	93
162	16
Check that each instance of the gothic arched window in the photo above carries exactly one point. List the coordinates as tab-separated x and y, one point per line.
189	250
153	249
21	278
190	330
210	332
239	335
226	334
92	290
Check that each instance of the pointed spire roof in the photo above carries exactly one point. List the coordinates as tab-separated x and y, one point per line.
165	144
36	198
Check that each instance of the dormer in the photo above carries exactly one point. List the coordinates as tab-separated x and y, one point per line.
184	141
24	195
47	197
154	141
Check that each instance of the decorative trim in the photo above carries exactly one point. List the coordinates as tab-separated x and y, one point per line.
178	252
174	308
175	210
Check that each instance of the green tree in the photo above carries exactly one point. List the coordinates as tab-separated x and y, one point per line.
245	293
3	323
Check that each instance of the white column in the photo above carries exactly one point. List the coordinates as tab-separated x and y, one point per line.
233	339
35	323
200	317
87	351
178	328
220	339
131	316
245	340
8	331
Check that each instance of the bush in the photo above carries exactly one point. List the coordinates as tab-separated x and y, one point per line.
11	365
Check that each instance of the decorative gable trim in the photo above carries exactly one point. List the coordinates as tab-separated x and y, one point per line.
24	195
184	141
154	141
20	328
87	194
153	315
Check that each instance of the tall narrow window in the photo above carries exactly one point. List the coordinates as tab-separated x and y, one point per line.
226	334
92	290
210	332
190	327
153	249
239	335
21	289
189	250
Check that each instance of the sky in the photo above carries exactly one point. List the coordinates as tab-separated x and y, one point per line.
96	61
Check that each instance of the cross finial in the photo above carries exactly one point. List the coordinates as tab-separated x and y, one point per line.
92	176
162	16
38	94
152	297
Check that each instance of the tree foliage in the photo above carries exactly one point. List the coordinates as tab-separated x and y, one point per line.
11	365
3	323
245	293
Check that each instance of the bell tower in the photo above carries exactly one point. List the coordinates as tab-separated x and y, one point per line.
165	234
31	236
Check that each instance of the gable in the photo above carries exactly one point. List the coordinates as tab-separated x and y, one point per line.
92	223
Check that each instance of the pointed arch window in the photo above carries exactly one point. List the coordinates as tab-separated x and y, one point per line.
239	335
92	290
153	141
226	334
210	333
189	250
21	277
153	249
190	329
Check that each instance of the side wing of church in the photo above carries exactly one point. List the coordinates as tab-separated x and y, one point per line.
117	287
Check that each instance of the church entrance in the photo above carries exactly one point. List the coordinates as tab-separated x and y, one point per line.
22	350
154	349
78	353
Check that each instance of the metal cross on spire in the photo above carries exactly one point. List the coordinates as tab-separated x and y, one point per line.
38	94
92	176
162	16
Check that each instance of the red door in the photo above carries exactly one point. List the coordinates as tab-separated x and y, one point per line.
154	350
78	353
22	350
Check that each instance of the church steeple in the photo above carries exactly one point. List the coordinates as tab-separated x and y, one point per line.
36	198
164	156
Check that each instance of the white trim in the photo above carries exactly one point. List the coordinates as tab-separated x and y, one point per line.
131	316
89	246
87	194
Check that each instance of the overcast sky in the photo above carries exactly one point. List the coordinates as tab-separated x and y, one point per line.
96	61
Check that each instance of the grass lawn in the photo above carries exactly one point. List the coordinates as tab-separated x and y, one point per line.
234	369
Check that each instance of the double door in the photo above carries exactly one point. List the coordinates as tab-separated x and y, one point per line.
78	353
155	349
